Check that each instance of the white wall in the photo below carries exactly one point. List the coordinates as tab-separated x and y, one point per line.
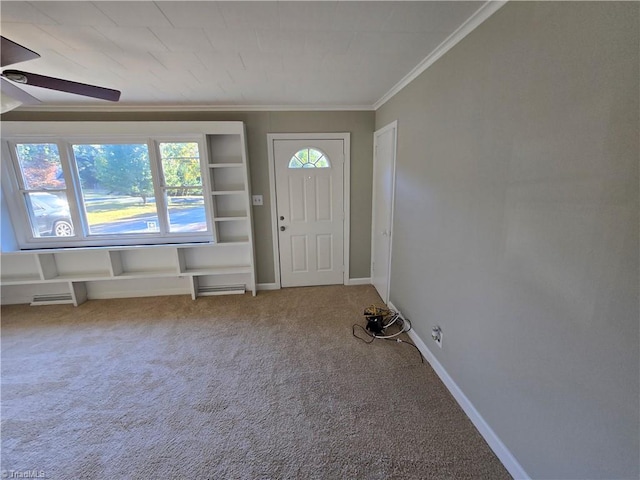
516	229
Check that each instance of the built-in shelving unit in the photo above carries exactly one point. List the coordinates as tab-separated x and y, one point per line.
229	181
223	266
75	268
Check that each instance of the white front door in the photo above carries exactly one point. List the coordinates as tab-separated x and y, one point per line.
384	167
310	210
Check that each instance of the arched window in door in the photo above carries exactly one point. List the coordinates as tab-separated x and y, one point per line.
309	158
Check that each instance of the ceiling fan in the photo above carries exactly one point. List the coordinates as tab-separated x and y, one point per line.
13	96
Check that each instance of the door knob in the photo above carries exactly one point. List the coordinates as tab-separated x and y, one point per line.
281	217
282	229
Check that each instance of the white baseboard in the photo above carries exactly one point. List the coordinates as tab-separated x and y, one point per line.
359	281
499	448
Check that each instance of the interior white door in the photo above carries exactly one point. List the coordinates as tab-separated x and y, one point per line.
384	167
310	209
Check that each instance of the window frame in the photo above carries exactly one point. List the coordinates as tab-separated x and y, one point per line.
12	180
25	191
162	187
309	164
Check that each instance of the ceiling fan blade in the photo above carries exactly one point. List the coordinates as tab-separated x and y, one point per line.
61	85
11	52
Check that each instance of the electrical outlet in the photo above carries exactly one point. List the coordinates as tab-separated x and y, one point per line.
257	200
436	335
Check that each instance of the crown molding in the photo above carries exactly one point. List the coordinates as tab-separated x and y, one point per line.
484	12
479	16
190	108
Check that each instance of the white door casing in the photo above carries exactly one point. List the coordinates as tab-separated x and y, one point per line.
384	172
309	211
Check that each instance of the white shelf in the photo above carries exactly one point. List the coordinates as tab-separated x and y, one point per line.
227	148
146	274
231	219
80	277
19	269
229	192
226	165
225	265
20	280
228	179
227	160
230	206
235	241
72	266
218	270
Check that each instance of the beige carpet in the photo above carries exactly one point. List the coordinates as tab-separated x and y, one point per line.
231	387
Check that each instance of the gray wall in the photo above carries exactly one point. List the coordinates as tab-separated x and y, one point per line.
516	229
358	123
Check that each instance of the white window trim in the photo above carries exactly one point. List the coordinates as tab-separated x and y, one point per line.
314	165
70	132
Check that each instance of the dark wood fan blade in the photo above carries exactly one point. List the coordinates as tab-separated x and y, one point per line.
62	85
11	90
11	52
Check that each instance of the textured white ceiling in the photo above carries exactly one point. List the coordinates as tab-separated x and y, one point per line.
205	53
